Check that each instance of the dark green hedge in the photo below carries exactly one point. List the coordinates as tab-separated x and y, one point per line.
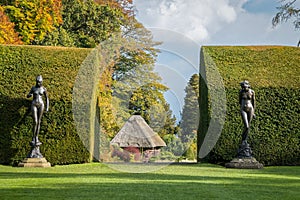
274	74
19	65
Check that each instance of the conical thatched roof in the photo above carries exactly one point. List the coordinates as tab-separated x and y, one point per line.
137	133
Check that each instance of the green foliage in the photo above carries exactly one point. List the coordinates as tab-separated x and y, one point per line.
191	152
19	65
190	118
58	37
273	73
164	156
85	24
190	111
169	127
174	145
145	97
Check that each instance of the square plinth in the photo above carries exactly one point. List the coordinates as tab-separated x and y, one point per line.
34	162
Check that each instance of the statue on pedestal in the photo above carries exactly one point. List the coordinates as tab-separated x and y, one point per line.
244	158
37	109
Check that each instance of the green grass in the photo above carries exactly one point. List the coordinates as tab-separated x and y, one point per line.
185	181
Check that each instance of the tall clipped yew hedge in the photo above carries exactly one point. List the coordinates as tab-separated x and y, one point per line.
19	66
273	72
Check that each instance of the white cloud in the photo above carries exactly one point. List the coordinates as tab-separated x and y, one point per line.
197	19
218	21
255	29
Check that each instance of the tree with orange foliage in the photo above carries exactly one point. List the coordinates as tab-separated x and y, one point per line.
7	32
34	19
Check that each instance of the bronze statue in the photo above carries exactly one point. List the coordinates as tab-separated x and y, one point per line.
247	106
37	109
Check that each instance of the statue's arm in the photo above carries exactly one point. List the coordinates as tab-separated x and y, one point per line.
47	99
253	99
240	97
253	103
30	93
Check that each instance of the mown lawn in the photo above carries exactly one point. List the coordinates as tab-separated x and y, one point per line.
181	181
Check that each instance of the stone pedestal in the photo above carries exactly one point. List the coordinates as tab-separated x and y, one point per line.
35	158
244	163
34	162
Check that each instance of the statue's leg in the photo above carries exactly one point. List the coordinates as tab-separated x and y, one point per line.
34	111
246	125
35	143
39	119
250	114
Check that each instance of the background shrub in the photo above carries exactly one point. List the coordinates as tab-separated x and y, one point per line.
135	152
122	154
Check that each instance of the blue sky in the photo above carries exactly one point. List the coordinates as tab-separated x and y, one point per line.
261	6
185	25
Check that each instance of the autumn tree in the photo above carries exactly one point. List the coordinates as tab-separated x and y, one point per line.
287	11
86	23
132	73
7	32
34	19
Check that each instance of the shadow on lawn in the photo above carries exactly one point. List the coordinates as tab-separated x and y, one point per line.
270	183
146	186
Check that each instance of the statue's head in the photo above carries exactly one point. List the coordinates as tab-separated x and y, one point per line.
39	80
245	84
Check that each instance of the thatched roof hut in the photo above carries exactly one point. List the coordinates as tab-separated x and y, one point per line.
137	133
